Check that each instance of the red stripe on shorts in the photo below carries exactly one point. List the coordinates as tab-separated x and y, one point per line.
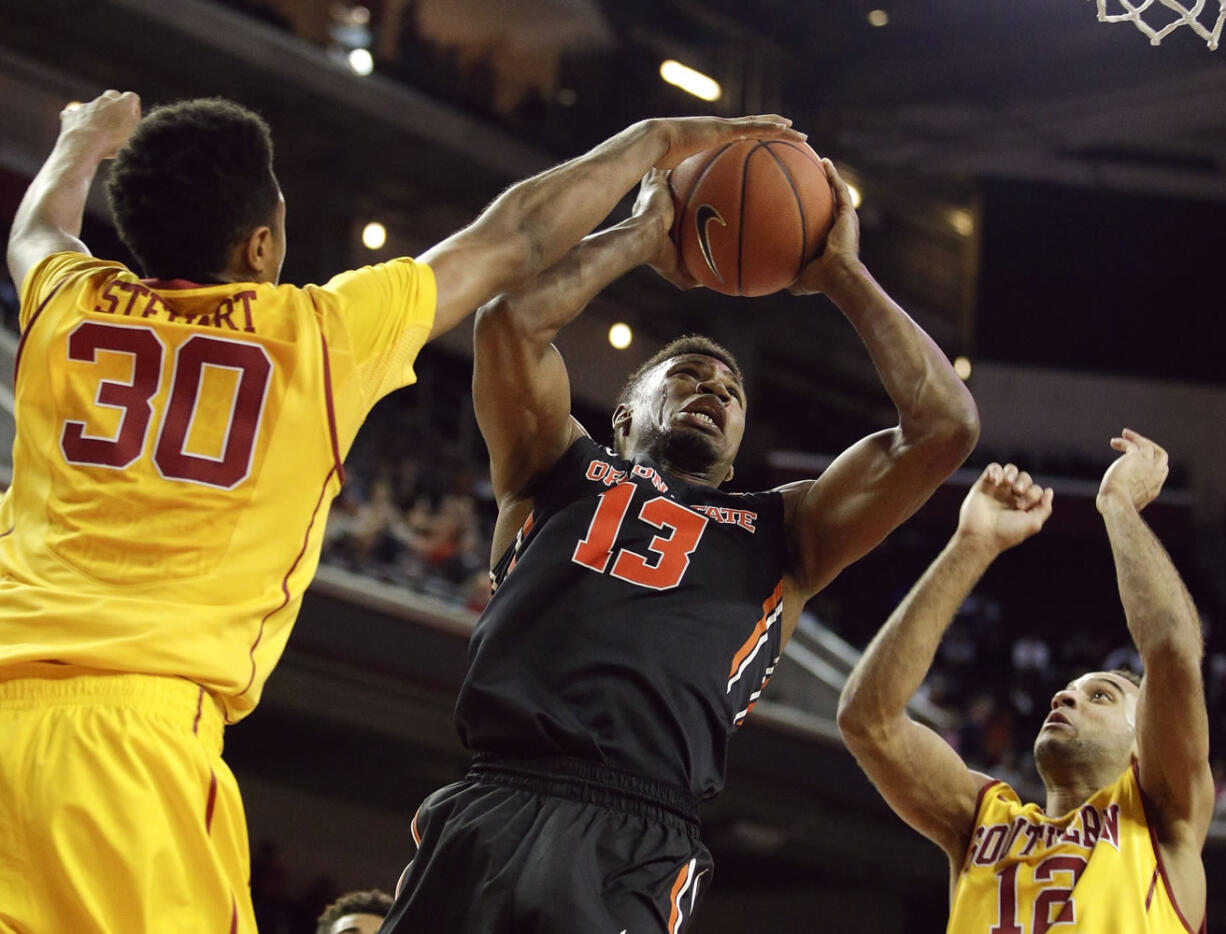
208	808
199	708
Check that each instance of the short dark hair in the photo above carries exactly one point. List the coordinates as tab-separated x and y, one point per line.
687	344
193	181
374	902
1127	675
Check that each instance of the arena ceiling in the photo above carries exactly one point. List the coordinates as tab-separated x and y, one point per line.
926	114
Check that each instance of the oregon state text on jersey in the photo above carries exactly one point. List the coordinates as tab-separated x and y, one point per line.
634	622
1094	870
177	449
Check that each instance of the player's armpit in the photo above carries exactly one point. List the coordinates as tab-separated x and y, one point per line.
920	776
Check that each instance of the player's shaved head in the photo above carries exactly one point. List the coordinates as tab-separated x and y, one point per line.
193	182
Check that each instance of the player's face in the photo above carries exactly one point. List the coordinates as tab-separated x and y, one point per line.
692	411
1093	720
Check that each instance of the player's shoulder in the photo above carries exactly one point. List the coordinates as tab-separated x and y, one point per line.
56	274
997	800
55	267
398	272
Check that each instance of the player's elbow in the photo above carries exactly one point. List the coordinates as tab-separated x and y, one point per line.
858	724
959	431
504	322
947	434
494	320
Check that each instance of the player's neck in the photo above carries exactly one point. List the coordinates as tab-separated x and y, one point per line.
698	478
1072	791
711	475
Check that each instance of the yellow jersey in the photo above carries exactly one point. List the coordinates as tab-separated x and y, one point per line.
177	449
1095	870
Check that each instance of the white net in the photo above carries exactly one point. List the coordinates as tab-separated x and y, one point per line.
1158	18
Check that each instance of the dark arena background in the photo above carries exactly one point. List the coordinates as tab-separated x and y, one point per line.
1045	193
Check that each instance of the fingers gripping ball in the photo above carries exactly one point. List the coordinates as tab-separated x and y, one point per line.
750	214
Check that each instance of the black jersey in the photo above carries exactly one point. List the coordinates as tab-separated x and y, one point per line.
634	622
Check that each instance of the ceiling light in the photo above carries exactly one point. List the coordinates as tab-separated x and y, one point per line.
962	366
620	336
855	195
361	61
878	18
374	235
962	221
694	82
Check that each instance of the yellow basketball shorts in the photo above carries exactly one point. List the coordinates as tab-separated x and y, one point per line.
117	813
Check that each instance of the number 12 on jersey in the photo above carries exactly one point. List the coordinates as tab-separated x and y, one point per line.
667	566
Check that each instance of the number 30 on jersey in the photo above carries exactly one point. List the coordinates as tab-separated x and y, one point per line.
134	400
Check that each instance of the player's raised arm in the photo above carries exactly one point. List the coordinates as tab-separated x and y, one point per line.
520	387
1172	721
880	481
920	776
50	215
529	226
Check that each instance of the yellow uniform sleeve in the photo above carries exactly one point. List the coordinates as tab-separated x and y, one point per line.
388	311
50	275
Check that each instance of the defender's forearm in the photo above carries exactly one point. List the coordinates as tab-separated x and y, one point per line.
57	195
549	212
1160	612
556	297
896	662
922	384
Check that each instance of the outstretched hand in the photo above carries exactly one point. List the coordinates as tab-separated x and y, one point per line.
685	136
107	121
655	203
1004	508
842	241
1137	475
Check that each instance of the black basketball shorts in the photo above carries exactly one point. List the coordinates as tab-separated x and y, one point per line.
552	846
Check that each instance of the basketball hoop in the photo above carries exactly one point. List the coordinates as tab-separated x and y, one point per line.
1159	10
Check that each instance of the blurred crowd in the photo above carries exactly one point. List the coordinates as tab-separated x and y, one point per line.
414	511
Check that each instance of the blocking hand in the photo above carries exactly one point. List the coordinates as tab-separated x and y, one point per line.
685	136
1004	507
108	120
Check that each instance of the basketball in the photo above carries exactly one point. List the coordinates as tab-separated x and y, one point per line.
750	214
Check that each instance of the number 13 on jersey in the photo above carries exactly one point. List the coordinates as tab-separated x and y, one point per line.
672	551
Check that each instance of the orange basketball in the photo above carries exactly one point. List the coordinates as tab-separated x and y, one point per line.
750	214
